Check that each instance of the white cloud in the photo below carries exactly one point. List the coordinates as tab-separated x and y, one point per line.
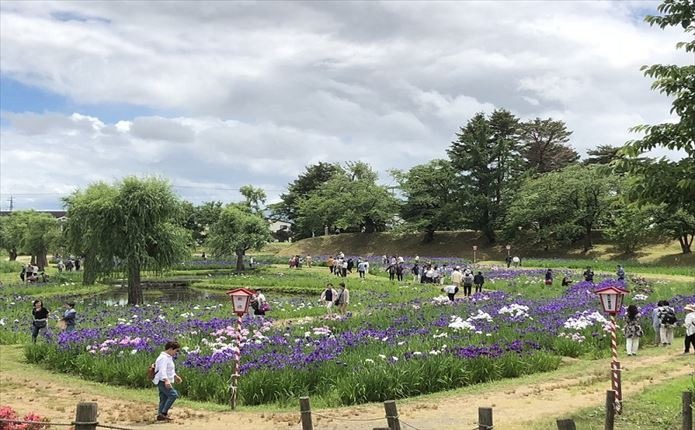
252	92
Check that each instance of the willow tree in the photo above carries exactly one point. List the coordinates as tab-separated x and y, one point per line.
126	228
237	230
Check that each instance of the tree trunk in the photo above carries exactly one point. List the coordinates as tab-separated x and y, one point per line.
89	276
134	286
685	243
240	261
490	235
13	254
42	261
429	236
587	240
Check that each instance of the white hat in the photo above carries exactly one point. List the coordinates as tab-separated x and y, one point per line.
689	308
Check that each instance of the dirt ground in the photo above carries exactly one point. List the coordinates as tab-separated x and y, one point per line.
515	407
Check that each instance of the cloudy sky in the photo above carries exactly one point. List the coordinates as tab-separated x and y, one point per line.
221	94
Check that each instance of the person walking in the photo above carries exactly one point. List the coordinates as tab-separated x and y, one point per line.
478	281
69	316
667	317
164	378
415	270
689	324
632	330
327	297
40	319
549	277
468	279
361	266
456	278
343	298
656	323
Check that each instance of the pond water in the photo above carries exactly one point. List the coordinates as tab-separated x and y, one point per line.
152	292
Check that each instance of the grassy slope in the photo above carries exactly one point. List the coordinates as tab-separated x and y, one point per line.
460	244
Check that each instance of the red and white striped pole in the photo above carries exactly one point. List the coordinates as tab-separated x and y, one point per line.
615	368
237	356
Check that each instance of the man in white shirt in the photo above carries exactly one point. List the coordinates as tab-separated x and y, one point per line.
164	377
457	277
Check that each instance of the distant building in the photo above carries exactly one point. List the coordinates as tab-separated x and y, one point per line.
281	230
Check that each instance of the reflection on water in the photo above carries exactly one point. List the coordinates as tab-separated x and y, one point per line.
118	295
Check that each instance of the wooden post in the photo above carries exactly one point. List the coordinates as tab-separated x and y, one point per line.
305	410
610	410
567	424
687	410
484	418
392	415
87	414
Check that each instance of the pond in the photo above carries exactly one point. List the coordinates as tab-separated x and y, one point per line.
162	292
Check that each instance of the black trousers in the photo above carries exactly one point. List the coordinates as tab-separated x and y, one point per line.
467	289
690	341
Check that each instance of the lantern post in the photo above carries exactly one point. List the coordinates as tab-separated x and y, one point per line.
612	300
240	302
475	249
509	250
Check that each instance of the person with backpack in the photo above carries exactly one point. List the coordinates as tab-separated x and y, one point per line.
478	281
467	283
656	323
327	297
667	317
689	323
632	330
164	378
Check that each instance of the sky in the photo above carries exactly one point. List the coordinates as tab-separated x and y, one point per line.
217	95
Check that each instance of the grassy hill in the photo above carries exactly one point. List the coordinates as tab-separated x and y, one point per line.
460	244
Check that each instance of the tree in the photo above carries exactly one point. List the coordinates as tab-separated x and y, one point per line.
350	201
675	216
561	207
130	226
10	235
238	230
486	159
678	83
254	197
631	226
314	177
30	232
602	154
544	145
430	197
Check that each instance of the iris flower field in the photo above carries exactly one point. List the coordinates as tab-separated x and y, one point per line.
397	340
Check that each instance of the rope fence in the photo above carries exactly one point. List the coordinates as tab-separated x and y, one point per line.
48	424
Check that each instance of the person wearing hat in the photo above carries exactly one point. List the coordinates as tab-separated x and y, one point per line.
69	316
689	328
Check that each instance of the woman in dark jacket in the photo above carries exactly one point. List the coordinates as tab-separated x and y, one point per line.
40	319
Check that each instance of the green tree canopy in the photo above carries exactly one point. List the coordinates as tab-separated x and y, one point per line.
129	226
544	145
30	232
561	207
237	230
350	201
486	160
677	83
313	178
430	197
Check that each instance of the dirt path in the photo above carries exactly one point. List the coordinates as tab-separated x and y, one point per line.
517	403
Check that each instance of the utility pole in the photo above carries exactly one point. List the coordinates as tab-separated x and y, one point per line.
11	200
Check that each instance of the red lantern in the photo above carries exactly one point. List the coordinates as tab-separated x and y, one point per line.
611	298
240	299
